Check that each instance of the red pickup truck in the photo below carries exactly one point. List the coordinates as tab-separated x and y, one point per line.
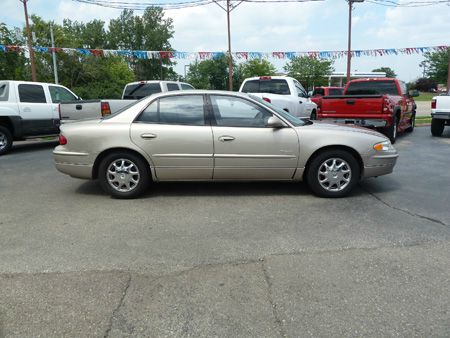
381	103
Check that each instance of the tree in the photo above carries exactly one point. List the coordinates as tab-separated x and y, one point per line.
212	74
425	84
310	71
389	71
12	64
257	67
436	64
150	32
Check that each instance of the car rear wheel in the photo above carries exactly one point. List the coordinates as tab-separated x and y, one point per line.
124	175
437	127
333	173
5	140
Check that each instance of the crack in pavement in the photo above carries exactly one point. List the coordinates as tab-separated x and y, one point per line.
127	286
434	220
272	303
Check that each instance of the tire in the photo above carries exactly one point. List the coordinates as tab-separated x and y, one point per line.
437	127
131	182
6	140
413	123
391	131
313	115
327	180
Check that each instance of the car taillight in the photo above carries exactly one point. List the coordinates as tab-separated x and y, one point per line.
62	140
433	104
105	108
267	99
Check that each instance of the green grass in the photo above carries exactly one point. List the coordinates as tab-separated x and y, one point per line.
423	120
425	96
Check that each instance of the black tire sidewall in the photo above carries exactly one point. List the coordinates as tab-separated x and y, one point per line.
313	167
9	140
314	115
144	172
437	127
391	131
413	123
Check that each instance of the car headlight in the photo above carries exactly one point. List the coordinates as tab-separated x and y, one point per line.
383	146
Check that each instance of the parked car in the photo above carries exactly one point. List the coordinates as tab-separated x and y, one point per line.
217	136
282	91
319	92
440	114
382	103
78	110
29	110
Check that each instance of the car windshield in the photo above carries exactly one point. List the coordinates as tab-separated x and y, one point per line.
295	121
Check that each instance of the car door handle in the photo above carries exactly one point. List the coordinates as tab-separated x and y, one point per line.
78	107
226	138
350	101
300	102
26	109
148	136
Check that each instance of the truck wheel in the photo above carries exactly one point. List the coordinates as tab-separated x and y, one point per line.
437	127
391	131
413	123
124	175
333	173
6	140
313	115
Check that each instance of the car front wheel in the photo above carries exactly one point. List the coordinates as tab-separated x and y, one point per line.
124	175
333	173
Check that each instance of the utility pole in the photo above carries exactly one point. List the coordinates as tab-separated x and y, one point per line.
30	47
228	9
349	50
55	69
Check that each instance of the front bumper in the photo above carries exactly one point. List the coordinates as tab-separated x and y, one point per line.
75	164
378	165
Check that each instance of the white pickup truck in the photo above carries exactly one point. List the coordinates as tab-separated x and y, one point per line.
29	110
77	110
282	91
440	114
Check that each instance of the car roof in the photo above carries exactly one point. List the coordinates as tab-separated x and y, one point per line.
199	92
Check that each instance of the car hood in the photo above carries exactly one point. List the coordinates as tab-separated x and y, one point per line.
338	127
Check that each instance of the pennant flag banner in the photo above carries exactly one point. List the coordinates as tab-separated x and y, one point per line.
142	54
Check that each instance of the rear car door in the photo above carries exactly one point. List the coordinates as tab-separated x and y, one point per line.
36	110
244	148
174	132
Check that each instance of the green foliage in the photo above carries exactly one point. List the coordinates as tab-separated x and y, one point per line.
310	72
425	84
389	71
436	65
257	67
12	64
211	74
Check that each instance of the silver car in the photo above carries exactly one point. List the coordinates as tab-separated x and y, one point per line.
218	136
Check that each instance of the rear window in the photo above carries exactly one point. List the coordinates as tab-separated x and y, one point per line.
336	91
271	86
141	90
372	88
318	91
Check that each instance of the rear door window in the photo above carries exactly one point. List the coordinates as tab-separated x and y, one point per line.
31	93
336	91
186	86
180	110
172	87
140	90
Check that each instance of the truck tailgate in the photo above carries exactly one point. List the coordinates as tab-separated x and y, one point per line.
78	110
352	106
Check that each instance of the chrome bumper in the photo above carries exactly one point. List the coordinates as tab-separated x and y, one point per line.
372	123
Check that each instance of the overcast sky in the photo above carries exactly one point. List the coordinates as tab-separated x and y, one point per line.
268	27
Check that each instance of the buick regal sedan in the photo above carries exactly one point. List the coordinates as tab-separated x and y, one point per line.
218	136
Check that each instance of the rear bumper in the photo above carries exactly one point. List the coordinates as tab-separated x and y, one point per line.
73	164
379	165
440	115
371	123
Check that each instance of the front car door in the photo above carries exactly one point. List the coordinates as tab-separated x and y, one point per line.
244	148
174	132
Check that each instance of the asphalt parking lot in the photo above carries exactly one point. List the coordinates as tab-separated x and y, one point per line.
226	260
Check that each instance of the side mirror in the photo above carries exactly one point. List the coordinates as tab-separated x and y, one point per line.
275	122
